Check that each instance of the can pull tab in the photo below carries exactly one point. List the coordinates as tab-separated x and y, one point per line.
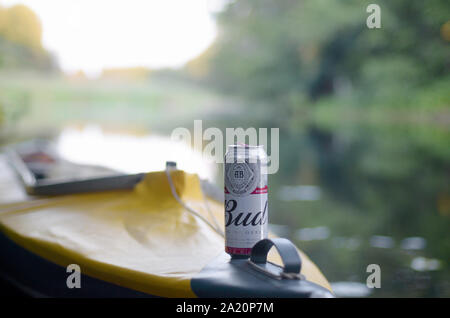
288	253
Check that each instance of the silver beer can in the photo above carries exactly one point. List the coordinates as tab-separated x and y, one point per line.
246	204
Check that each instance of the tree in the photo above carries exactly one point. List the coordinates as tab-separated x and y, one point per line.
20	25
285	50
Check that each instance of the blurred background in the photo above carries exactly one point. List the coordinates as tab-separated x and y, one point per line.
364	114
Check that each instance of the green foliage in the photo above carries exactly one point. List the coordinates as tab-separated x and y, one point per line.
275	49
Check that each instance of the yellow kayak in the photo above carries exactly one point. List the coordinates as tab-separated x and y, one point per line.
137	242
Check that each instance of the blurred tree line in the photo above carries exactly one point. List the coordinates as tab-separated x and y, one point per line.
20	50
295	52
21	40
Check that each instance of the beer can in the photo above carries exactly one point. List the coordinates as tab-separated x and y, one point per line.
246	204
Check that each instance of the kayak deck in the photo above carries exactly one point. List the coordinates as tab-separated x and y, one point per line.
140	239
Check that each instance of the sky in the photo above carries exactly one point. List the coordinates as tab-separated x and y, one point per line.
91	35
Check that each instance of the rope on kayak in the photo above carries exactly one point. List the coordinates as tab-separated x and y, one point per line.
214	226
217	226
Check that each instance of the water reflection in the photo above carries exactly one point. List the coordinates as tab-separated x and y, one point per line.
376	199
279	230
380	241
350	289
313	234
130	153
299	193
350	243
422	264
413	243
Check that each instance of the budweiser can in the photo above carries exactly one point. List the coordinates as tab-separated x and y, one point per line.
246	205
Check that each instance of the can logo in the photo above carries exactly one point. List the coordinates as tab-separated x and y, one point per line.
241	178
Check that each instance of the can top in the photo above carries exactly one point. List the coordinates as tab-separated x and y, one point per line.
242	153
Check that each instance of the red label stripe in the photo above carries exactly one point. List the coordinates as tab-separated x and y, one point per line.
256	191
238	250
260	190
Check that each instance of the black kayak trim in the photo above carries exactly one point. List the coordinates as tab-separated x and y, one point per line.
227	277
35	276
